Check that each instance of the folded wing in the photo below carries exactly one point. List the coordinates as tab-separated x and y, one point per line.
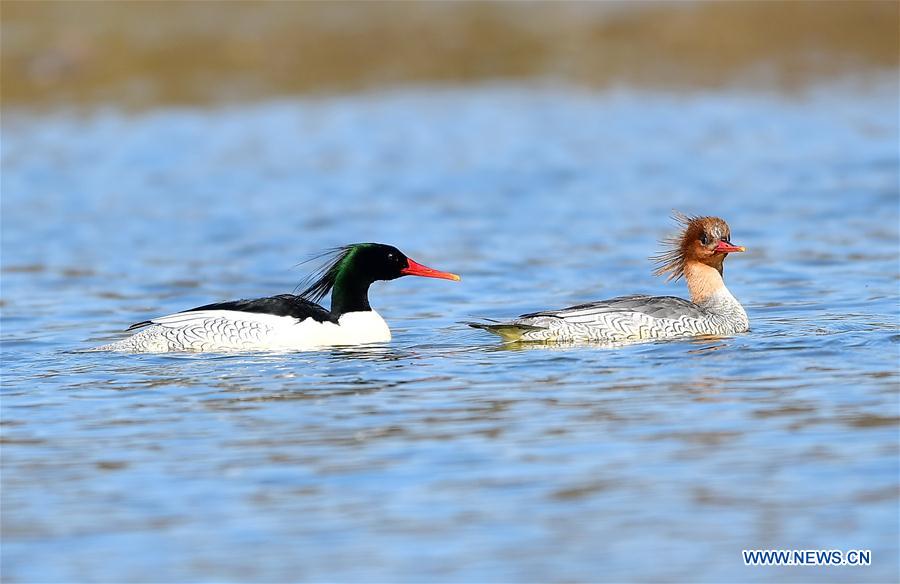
255	310
670	307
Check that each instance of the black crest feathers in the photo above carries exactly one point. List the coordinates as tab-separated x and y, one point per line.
320	282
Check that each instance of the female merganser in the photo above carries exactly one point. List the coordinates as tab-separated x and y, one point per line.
697	254
288	321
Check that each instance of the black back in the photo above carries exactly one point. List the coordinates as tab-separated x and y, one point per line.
280	305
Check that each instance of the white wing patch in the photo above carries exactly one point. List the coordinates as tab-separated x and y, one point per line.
198	317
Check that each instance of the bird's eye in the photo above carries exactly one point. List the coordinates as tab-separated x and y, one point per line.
704	239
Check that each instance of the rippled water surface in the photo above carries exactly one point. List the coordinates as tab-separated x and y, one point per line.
444	455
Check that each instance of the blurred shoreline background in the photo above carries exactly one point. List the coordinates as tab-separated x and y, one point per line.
147	54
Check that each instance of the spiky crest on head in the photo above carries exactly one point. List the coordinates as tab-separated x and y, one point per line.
671	259
320	282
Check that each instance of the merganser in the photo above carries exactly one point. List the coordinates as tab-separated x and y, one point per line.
697	254
287	321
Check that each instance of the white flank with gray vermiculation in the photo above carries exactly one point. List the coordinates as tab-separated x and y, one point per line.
631	319
232	330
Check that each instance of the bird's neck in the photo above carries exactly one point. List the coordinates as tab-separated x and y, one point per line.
703	281
350	294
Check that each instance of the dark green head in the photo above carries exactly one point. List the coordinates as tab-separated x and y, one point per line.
353	268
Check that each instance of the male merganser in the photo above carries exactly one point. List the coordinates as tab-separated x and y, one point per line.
288	321
697	254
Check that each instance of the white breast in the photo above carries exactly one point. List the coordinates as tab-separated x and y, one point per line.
353	328
363	327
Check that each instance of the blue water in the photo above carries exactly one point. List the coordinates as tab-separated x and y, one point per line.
443	455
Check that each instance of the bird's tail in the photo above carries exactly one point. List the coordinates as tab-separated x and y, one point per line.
508	331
